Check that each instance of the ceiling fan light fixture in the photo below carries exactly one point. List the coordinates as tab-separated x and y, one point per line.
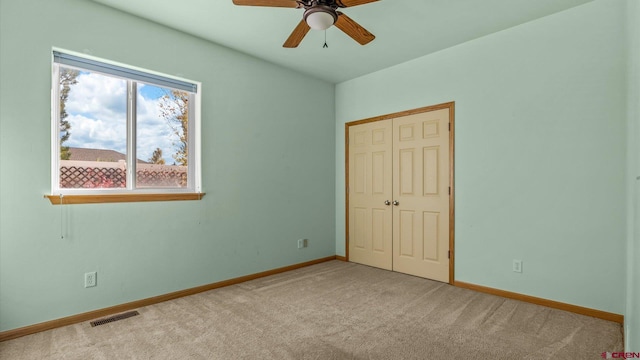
320	17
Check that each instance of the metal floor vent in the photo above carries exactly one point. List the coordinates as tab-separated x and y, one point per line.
114	318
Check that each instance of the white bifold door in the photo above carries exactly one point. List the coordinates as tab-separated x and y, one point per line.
398	191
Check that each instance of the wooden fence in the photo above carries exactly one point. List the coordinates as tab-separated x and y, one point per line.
100	174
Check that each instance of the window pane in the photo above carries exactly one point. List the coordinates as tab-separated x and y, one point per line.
161	141
93	130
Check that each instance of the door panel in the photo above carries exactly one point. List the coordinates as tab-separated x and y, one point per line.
406	236
370	184
378	230
430	176
421	170
406	168
430	221
359	224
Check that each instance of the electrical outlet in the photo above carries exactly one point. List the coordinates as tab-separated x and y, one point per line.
302	243
90	279
517	266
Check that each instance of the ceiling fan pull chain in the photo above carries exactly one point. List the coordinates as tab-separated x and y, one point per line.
325	40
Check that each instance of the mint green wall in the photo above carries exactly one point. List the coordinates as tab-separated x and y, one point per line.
540	151
268	170
632	315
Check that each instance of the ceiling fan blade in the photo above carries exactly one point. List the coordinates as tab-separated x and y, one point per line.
272	3
297	35
350	3
353	29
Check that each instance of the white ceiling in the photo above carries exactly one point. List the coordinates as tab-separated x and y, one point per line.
404	29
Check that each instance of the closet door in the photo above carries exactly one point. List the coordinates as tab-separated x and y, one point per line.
421	194
370	210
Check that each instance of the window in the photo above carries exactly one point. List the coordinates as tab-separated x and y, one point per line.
120	130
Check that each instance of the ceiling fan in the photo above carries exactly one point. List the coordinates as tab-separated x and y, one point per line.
318	15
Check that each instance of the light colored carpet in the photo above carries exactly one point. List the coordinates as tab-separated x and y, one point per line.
333	310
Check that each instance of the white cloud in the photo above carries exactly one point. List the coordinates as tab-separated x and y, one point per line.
97	114
103	97
97	133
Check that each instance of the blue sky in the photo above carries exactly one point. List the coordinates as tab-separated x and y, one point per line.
97	113
150	91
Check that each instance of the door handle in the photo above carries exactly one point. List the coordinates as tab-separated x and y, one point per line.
396	203
387	202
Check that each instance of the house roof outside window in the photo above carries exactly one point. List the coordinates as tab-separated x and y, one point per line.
86	154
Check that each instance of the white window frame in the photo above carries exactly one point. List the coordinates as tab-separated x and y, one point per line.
194	149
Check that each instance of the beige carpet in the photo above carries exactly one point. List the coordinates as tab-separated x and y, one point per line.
333	310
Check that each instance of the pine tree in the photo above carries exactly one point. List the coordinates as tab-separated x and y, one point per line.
68	77
156	158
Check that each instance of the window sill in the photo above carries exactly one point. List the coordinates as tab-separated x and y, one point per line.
120	198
